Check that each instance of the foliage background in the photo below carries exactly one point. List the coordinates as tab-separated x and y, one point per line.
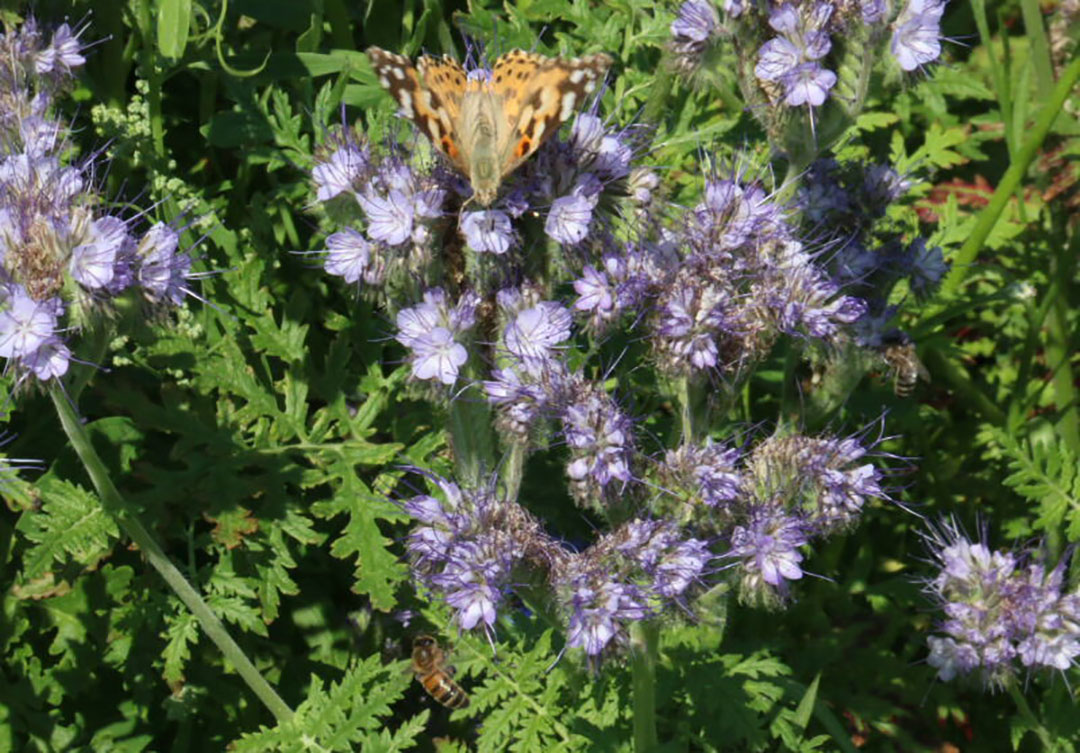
260	434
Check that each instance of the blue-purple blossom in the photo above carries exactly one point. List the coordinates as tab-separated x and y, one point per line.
341	172
534	332
600	438
163	270
464	546
570	216
390	218
29	333
430	331
597	608
708	473
791	59
767	550
63	54
916	38
488	231
1002	612
93	262
928	267
348	255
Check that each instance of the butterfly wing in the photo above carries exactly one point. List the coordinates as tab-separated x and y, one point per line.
539	94
430	97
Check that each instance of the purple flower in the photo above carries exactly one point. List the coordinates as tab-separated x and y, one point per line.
808	83
768	550
594	293
791	58
488	231
708	472
928	267
600	438
341	172
26	324
348	255
596	609
916	37
163	269
533	334
50	360
436	355
62	55
697	22
570	216
429	330
94	261
390	219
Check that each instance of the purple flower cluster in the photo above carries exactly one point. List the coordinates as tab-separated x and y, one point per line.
61	257
768	502
534	383
693	31
431	331
465	546
1002	612
397	211
792	60
737	280
793	64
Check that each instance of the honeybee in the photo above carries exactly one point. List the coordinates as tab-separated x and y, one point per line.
906	367
431	670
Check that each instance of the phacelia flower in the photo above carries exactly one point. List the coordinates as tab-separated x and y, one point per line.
1002	612
916	38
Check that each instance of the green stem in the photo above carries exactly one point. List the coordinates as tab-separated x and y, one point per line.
962	263
513	466
644	646
1043	734
1059	348
116	506
470	437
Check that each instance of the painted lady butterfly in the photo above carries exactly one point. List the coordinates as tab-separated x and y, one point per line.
488	124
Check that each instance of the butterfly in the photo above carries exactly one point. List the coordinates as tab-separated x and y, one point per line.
488	123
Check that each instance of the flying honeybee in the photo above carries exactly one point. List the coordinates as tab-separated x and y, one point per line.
431	670
906	367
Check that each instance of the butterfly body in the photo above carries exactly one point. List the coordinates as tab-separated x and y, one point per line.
488	122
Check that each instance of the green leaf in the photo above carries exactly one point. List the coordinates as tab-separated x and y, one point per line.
71	525
173	24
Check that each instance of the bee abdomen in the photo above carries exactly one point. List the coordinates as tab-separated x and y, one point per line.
445	691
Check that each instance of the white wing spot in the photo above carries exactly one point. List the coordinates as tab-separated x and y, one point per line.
384	81
569	102
398	73
406	104
576	76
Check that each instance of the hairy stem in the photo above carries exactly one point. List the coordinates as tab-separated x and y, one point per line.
116	506
644	646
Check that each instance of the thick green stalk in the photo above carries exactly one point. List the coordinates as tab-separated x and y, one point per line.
644	646
470	437
1059	345
116	506
1010	181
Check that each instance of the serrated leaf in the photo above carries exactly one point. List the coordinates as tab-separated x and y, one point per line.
71	525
